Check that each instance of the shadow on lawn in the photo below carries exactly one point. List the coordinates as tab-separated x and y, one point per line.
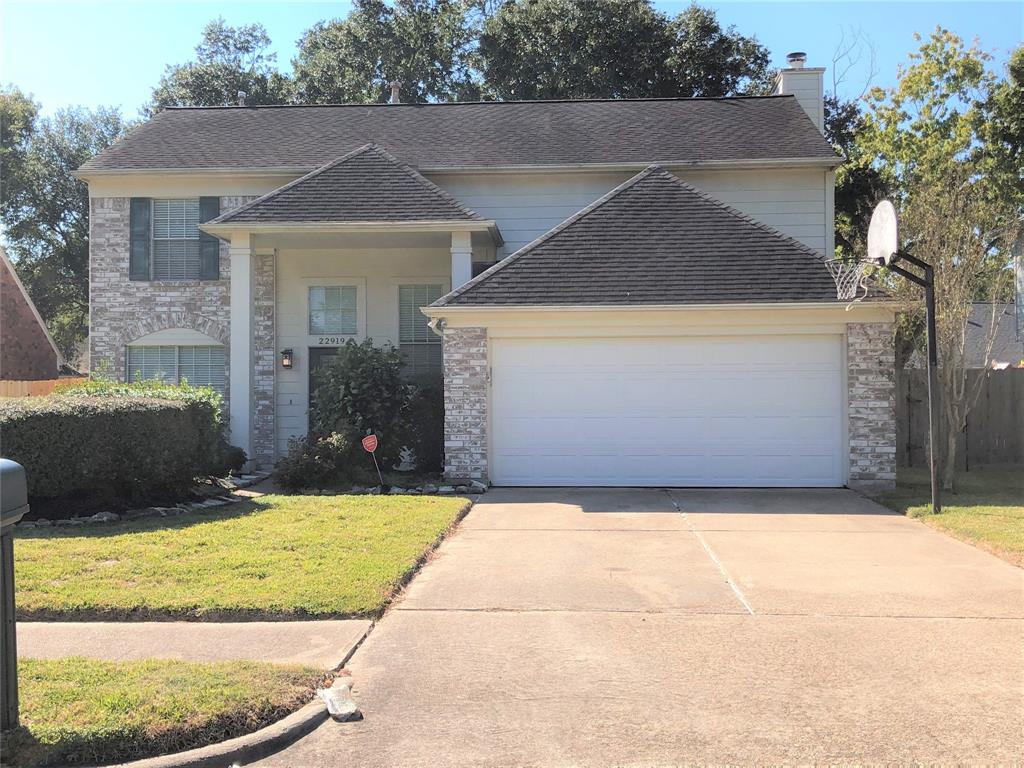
177	522
996	486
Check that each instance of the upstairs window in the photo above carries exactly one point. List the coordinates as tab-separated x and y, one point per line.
165	242
176	239
420	346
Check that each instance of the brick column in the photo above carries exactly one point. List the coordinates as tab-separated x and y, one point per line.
871	391
264	360
465	404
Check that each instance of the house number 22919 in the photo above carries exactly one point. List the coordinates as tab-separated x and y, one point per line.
330	341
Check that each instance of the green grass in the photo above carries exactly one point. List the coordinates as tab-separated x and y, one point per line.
78	710
273	557
987	510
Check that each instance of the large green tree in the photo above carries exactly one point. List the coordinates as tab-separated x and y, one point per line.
425	45
570	49
932	138
547	49
228	60
45	210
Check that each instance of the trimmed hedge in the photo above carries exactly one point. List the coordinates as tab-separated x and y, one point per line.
117	448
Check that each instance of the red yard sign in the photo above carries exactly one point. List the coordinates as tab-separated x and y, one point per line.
370	443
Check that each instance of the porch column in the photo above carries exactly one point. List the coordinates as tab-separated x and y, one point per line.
241	367
462	259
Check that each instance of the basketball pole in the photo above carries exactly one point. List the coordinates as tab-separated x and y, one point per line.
927	281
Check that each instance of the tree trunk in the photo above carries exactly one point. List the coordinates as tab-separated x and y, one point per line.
949	463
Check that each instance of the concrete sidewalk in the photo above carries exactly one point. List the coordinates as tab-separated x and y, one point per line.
592	627
323	644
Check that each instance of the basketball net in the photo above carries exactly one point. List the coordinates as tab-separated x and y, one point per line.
850	276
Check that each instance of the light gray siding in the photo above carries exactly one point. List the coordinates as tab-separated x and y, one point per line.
527	205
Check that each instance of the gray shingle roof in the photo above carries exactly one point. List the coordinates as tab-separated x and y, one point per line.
653	240
365	185
480	134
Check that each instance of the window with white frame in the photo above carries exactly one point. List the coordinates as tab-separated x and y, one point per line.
200	366
420	346
333	310
176	239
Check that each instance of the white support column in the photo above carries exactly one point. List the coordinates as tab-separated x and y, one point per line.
462	259
241	384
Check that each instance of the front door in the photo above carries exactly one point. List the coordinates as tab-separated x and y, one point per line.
318	356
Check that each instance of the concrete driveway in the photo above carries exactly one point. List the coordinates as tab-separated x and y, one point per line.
647	627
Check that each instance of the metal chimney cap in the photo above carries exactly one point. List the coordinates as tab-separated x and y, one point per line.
796	59
241	98
396	86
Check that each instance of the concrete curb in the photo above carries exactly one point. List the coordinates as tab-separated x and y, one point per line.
243	749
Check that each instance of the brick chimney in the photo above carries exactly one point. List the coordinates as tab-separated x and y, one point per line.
806	84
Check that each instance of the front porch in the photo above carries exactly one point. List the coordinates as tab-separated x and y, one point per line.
311	294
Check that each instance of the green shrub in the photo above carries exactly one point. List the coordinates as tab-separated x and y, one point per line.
214	456
319	463
114	448
361	391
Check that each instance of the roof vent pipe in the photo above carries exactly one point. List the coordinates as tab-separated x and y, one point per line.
796	59
396	86
241	98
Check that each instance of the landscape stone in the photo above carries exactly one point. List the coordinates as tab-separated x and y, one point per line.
477	487
105	517
446	490
428	489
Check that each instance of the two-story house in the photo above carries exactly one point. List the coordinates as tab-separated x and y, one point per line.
619	292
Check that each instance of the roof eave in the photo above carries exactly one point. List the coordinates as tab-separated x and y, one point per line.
448	309
85	174
224	230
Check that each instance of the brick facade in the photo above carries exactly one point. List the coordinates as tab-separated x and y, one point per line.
123	310
871	392
465	403
25	350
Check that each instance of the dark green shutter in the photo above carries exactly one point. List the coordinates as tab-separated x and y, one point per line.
209	246
140	238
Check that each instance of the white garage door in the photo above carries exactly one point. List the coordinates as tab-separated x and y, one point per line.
708	411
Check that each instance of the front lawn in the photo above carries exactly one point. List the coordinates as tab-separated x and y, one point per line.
988	511
273	557
78	710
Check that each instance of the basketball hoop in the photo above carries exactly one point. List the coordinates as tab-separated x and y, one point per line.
850	276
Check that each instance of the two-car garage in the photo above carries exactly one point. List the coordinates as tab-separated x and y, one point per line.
710	410
661	338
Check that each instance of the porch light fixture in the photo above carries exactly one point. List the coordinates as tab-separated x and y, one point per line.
287	359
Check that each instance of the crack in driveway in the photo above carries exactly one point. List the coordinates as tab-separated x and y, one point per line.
710	552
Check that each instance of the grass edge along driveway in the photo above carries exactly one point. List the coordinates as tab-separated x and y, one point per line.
988	510
275	557
77	710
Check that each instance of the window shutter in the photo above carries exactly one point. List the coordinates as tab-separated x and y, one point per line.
140	238
209	246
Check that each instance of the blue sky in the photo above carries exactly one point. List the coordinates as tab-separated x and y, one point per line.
69	52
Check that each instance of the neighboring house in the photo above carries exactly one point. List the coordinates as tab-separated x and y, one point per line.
651	305
27	351
998	323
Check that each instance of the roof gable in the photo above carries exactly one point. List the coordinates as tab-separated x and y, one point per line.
482	135
653	240
366	185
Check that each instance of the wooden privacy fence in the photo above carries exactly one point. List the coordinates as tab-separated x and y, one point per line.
995	426
35	388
